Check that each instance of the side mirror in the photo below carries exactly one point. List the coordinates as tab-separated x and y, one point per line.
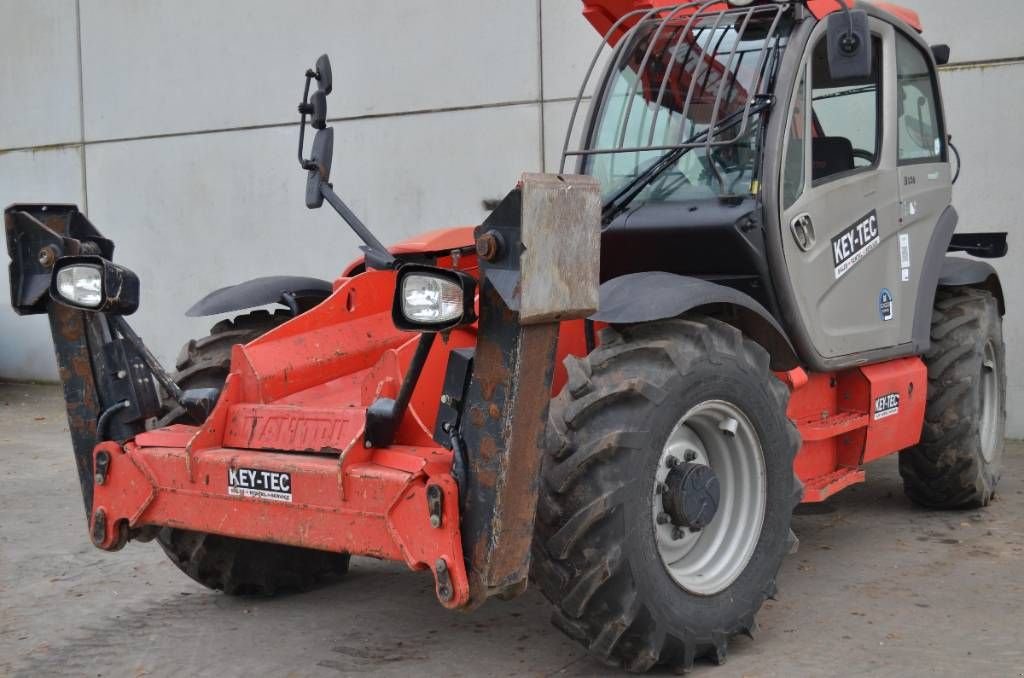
324	80
91	283
319	167
849	45
318	102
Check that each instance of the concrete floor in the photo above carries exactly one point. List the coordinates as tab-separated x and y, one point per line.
879	588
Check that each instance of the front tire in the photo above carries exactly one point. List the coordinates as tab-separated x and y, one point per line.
238	566
602	555
959	460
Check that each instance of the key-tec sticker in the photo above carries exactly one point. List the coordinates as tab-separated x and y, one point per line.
854	243
887	405
259	484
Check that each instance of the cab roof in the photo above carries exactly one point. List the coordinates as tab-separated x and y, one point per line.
602	14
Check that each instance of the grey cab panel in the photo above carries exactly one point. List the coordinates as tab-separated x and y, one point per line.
856	221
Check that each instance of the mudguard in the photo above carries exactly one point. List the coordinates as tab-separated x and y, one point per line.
656	295
960	272
296	292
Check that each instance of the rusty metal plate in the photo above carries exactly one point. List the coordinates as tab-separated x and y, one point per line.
561	235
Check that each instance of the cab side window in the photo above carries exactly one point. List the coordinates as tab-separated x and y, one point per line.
793	164
846	117
920	129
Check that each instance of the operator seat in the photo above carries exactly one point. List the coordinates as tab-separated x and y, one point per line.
831	155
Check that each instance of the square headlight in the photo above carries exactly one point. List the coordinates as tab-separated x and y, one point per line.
431	299
91	283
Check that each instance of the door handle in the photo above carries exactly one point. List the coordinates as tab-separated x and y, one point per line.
802	228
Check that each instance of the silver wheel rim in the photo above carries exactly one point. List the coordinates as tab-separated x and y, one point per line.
990	403
718	434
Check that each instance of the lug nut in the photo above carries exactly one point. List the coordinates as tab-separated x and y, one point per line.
671	462
663	519
690	455
678	533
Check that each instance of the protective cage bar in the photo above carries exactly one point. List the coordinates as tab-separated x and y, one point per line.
698	34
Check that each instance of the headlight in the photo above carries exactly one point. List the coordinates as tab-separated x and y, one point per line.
81	284
432	299
92	283
428	299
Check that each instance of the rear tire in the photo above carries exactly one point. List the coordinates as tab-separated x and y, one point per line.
241	567
599	556
238	566
959	460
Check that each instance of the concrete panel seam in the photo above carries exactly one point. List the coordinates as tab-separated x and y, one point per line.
276	125
81	108
540	80
984	63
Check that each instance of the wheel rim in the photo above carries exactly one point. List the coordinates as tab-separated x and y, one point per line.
714	433
990	405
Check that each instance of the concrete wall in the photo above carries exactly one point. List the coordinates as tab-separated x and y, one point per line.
172	125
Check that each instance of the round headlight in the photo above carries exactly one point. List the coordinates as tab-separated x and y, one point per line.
81	284
430	299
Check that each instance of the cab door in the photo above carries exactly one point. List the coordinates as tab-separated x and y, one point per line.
925	180
840	204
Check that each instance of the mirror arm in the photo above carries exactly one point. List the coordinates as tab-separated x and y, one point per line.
304	108
376	253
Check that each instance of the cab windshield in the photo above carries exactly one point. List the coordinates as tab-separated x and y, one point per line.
692	85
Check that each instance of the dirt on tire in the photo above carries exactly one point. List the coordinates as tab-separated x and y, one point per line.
593	543
949	468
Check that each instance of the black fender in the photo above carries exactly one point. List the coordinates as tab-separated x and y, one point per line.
296	292
960	272
656	295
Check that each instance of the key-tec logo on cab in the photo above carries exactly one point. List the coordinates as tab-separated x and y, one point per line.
854	243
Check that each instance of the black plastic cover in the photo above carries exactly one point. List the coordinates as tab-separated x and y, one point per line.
984	245
259	292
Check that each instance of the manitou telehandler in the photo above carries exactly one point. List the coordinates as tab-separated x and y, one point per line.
620	384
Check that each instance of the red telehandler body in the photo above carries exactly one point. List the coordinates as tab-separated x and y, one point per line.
621	383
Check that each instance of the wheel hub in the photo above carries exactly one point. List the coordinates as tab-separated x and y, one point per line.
709	497
691	495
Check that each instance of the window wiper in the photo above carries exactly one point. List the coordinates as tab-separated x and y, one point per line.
618	203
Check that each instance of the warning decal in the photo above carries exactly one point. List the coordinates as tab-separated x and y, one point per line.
251	482
854	243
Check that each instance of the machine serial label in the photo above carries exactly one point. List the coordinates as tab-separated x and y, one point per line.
854	243
887	405
251	482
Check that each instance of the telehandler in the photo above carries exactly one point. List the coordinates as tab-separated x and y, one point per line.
619	385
